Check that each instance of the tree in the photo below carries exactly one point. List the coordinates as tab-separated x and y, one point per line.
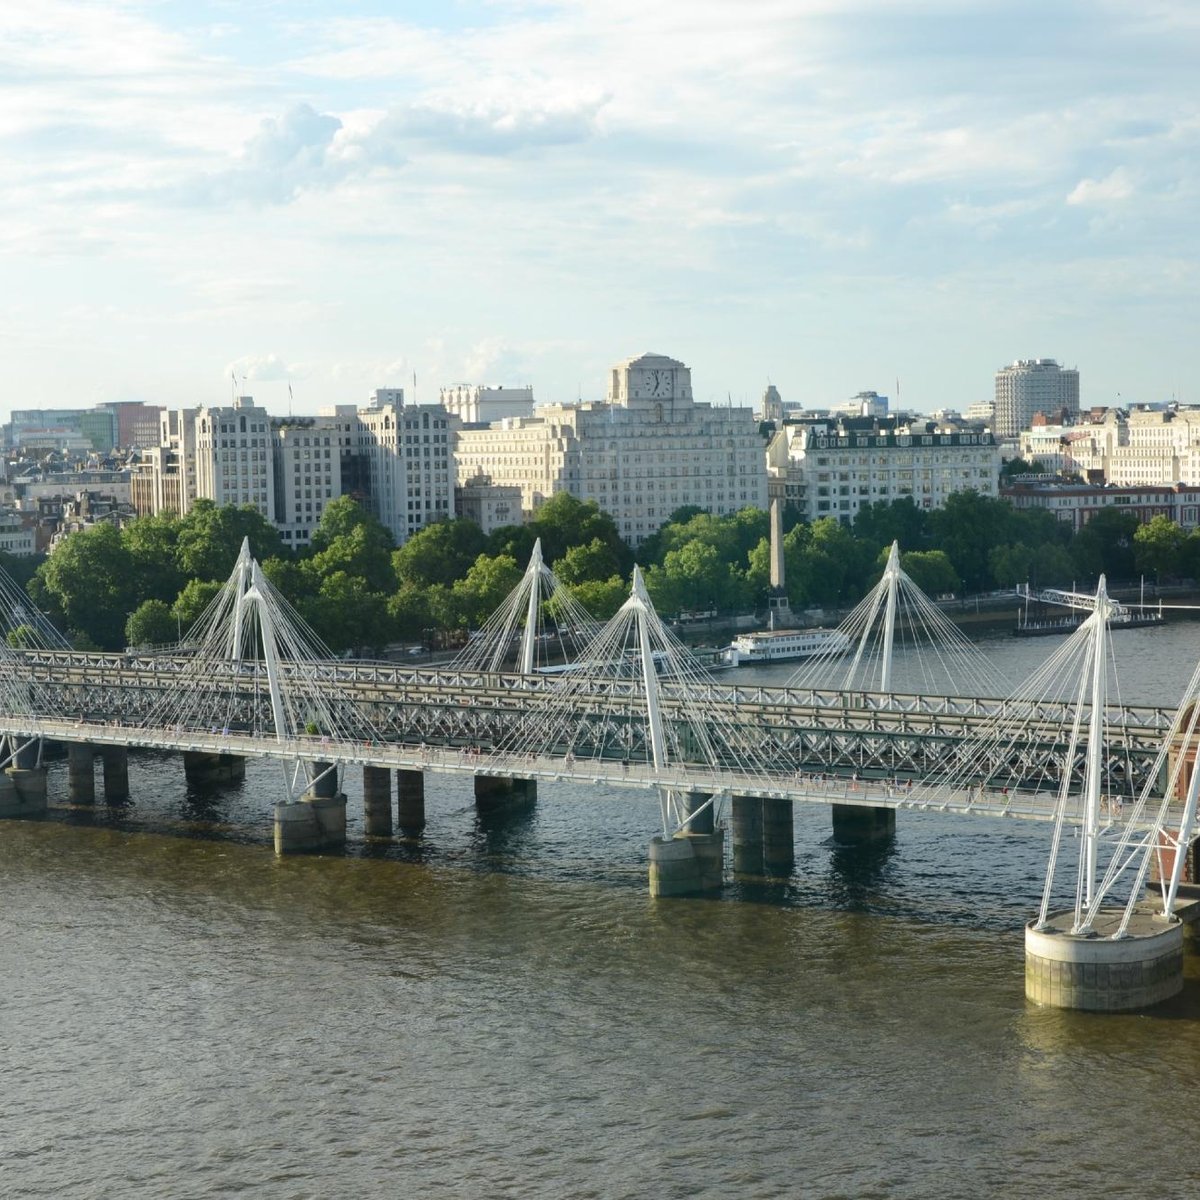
601	597
210	539
439	553
931	571
484	588
695	578
1158	547
1011	564
151	542
191	602
409	612
151	624
1105	545
346	614
884	522
564	521
968	527
365	552
89	581
595	561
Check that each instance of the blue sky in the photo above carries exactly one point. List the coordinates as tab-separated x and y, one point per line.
830	195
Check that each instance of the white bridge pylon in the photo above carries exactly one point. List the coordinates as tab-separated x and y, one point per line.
519	625
627	699
1121	826
897	614
246	673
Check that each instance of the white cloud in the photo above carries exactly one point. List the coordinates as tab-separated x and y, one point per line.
1113	188
253	368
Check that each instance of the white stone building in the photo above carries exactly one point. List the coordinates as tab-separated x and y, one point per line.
490	505
475	404
408	465
307	455
233	456
646	451
831	468
1030	386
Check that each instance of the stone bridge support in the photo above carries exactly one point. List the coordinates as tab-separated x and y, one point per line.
377	802
116	773
210	770
81	773
318	820
410	800
855	824
503	794
746	820
23	784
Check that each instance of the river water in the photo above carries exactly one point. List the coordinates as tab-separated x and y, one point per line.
502	1011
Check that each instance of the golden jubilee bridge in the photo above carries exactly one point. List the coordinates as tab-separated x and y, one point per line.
626	706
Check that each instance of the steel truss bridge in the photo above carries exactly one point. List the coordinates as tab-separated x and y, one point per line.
821	746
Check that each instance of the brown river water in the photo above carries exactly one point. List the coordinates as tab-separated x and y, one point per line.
502	1011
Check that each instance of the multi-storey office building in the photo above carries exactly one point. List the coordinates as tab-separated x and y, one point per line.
832	468
474	404
646	451
1030	386
233	456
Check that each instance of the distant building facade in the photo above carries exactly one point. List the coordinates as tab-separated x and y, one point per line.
1029	386
475	404
647	450
833	467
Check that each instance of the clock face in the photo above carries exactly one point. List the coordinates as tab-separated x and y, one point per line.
659	383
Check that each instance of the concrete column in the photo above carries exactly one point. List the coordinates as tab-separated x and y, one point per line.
116	773
27	781
26	758
778	837
500	793
687	864
206	770
747	826
318	820
410	800
377	801
81	773
690	802
1098	974
19	803
857	824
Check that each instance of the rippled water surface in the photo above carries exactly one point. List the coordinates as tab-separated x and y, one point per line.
500	1010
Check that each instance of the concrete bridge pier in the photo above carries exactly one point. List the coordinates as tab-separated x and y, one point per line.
377	801
687	864
315	822
855	824
24	790
691	802
746	820
207	770
81	773
496	794
116	773
779	836
410	800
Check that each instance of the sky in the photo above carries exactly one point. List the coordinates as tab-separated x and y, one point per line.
198	198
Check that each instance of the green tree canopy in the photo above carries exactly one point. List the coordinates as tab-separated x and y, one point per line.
210	539
1105	544
439	553
151	542
930	570
595	561
193	599
484	588
89	582
151	624
1158	547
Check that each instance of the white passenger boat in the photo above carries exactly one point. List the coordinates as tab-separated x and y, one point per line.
779	645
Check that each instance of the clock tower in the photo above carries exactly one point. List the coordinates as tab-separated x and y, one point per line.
650	380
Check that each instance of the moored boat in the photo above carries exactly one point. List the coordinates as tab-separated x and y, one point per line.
780	645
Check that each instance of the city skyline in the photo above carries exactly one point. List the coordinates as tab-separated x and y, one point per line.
827	197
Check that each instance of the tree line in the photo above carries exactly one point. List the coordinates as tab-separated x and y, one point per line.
147	583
